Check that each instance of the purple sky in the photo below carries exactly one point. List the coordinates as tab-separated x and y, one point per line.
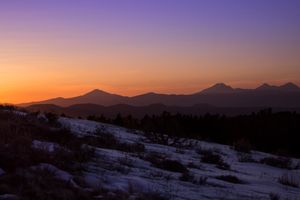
159	45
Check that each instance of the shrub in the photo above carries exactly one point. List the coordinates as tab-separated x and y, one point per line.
126	161
16	150
193	165
41	184
202	180
52	118
242	145
180	151
123	169
8	107
171	165
161	162
280	162
100	130
230	179
109	141
297	165
246	158
212	158
152	196
154	157
188	177
223	165
274	196
203	151
288	180
134	147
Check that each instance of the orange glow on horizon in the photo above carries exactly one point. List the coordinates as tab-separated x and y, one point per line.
30	73
66	53
31	93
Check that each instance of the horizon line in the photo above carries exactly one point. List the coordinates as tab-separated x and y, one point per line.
145	93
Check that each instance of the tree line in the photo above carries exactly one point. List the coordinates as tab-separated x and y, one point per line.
275	132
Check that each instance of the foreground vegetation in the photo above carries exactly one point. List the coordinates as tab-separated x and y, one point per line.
21	160
41	159
43	156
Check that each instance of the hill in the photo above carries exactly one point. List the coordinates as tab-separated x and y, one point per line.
219	95
43	157
85	110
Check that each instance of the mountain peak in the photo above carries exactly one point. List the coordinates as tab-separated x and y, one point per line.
221	85
150	93
95	92
290	86
285	87
218	88
266	86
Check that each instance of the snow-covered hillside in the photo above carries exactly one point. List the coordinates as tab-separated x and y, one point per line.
241	177
45	157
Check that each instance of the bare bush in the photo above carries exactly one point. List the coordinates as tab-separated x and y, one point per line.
242	145
165	139
288	180
40	184
52	118
126	161
152	196
280	162
245	158
109	141
189	177
162	162
171	165
212	158
230	179
274	196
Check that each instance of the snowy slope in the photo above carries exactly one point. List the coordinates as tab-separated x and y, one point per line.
119	170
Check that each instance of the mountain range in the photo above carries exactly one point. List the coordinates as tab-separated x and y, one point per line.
219	95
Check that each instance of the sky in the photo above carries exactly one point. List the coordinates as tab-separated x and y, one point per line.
54	48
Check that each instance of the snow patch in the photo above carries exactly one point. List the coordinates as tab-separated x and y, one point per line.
140	175
46	146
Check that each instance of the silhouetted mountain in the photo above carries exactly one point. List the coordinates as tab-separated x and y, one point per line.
220	95
85	110
219	88
288	87
94	97
266	87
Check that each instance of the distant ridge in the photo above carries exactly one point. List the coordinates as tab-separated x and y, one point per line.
220	94
285	87
218	88
85	110
94	97
290	86
266	86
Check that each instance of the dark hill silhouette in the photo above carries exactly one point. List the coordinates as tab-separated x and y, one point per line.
94	97
288	87
266	87
85	110
218	88
220	95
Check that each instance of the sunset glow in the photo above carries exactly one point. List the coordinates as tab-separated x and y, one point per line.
54	48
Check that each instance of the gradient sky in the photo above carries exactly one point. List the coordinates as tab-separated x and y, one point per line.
52	48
